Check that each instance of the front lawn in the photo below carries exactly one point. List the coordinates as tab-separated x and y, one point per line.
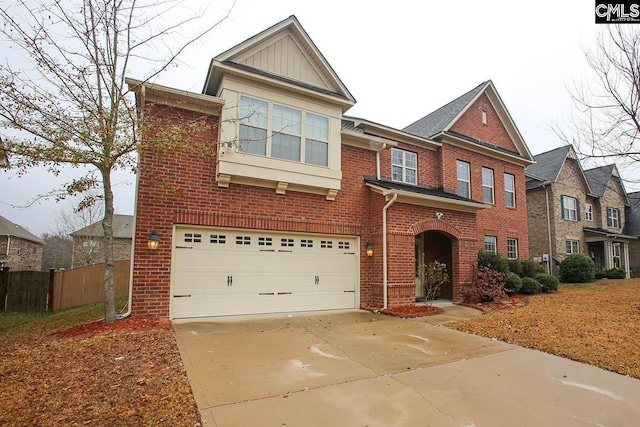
596	323
125	374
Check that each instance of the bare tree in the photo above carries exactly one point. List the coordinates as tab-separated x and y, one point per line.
68	102
606	119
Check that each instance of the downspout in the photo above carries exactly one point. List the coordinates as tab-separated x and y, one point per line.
546	193
135	210
384	145
384	247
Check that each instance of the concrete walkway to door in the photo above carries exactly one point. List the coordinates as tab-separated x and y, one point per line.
357	368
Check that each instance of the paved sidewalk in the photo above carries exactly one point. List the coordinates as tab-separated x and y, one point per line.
356	368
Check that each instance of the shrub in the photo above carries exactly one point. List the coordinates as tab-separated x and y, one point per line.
547	281
577	268
530	286
612	273
530	268
493	261
513	283
515	266
489	285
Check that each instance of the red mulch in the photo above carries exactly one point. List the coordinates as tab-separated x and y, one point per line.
100	328
407	311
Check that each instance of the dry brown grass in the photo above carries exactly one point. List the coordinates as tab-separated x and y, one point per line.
595	323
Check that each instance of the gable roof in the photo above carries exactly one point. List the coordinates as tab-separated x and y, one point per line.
8	228
312	74
122	228
549	165
441	121
599	177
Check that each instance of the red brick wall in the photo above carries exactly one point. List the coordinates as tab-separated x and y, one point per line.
470	124
181	188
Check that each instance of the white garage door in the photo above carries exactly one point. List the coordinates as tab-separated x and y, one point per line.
218	272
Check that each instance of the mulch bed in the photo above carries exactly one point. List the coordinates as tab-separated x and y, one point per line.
515	301
100	328
407	311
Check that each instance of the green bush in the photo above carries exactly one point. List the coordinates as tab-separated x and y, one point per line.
530	286
577	268
530	268
514	283
612	273
548	282
495	262
515	266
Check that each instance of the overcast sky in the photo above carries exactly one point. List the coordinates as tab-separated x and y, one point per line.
400	59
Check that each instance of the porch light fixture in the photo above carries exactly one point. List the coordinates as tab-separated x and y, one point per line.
369	247
153	241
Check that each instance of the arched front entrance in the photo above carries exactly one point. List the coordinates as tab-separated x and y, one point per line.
431	246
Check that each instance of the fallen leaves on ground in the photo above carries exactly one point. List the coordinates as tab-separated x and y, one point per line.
596	323
128	373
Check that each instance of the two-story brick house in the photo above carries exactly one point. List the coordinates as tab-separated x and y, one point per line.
575	210
20	250
88	242
301	207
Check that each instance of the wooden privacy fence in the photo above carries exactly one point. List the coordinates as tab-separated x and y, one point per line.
25	290
85	285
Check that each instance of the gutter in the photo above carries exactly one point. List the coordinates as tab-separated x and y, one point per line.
384	248
384	145
546	194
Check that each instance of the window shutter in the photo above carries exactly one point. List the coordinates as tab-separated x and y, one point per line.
577	209
562	207
609	217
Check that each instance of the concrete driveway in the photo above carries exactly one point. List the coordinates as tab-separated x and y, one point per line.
356	368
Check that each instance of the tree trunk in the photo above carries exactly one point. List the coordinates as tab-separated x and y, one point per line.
107	226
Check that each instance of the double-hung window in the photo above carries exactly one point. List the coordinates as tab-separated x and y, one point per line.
282	132
613	217
588	211
510	190
487	185
512	248
569	208
572	246
464	179
490	244
403	166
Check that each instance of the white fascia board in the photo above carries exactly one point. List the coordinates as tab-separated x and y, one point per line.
428	200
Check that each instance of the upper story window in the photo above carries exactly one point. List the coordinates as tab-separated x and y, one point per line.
464	179
569	208
487	185
403	166
490	244
613	217
588	211
273	130
510	190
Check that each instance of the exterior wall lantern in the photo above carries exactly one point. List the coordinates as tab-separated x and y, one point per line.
153	241
369	247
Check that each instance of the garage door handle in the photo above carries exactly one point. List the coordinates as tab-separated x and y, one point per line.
229	280
317	280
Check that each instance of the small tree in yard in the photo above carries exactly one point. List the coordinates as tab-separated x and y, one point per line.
69	104
433	276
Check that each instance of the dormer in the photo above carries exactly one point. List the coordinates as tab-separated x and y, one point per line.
282	116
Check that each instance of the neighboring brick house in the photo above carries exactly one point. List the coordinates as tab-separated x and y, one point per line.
20	250
301	207
88	242
573	210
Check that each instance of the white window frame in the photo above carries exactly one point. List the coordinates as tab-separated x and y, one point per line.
613	217
462	182
569	212
404	166
488	185
491	241
588	212
616	255
510	193
572	246
512	248
309	130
